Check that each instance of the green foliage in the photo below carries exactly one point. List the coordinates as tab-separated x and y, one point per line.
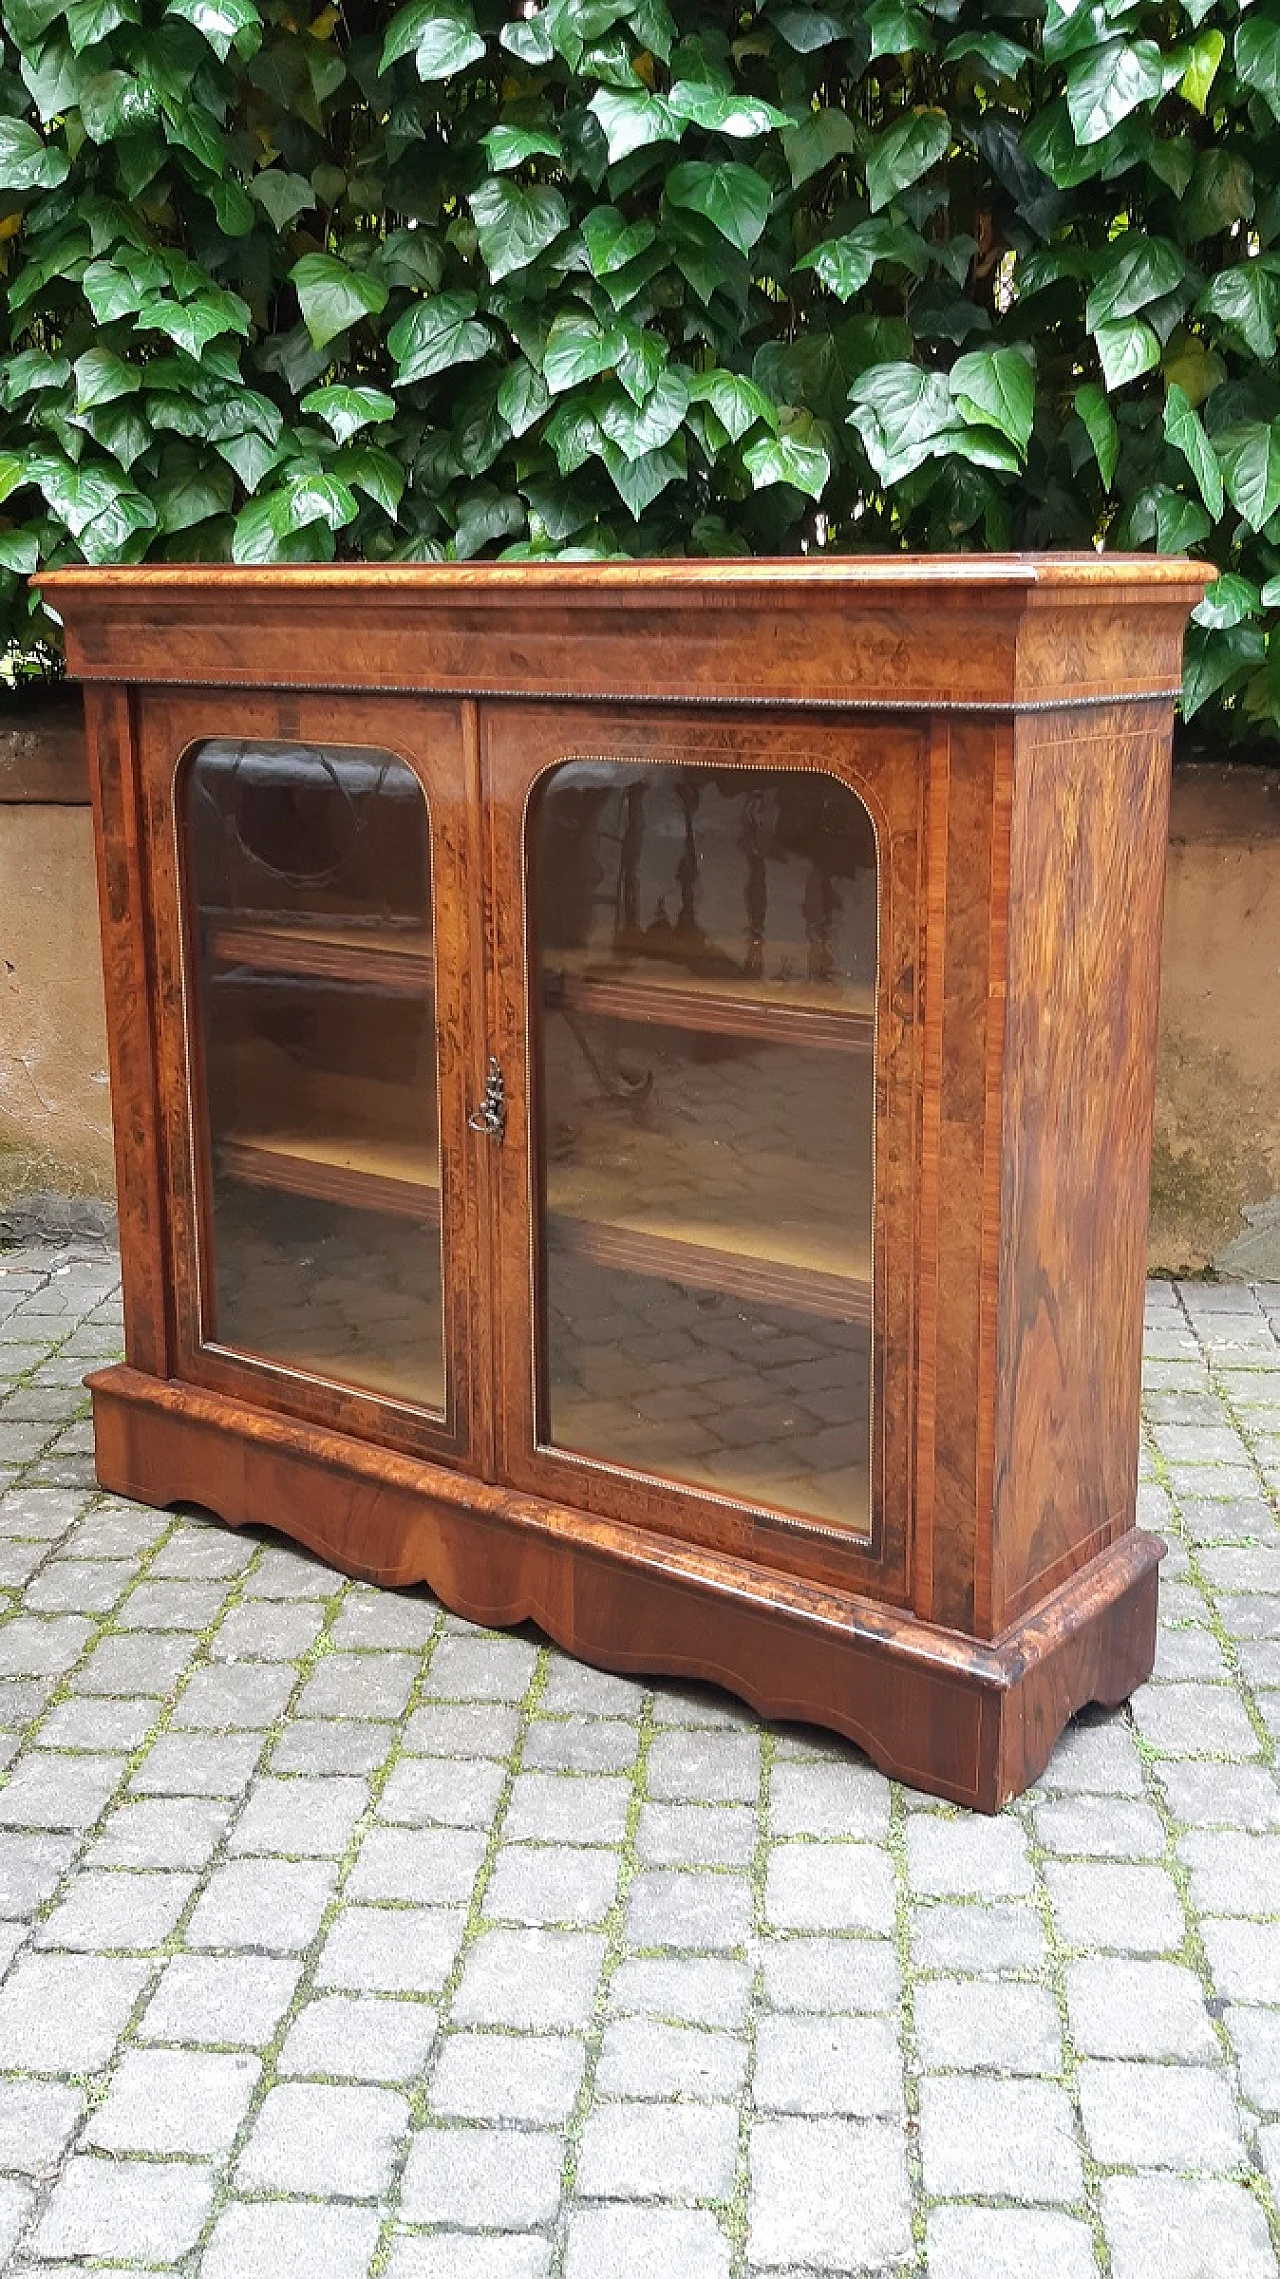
529	277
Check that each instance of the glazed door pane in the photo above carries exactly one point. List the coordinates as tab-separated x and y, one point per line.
703	969
315	1049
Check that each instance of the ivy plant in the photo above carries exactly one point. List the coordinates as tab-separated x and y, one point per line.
520	278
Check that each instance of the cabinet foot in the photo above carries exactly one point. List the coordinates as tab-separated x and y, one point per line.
962	1718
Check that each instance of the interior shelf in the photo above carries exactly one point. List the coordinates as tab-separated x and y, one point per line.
780	1011
398	961
777	1265
367	1174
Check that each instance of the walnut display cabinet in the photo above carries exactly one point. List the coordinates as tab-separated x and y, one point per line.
633	1092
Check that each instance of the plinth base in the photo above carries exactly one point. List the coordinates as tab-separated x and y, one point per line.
965	1719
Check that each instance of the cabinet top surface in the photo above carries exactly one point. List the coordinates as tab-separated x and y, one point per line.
902	632
1088	572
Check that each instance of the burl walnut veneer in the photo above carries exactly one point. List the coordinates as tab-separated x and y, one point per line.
633	1093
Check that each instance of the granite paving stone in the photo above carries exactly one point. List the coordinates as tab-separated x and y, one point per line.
391	1950
339	1935
312	2138
167	2101
650	2151
220	2000
359	2038
510	2077
130	2211
499	2179
263	2239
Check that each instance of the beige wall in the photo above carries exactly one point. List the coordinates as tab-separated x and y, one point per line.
55	1115
1215	1191
1216	1175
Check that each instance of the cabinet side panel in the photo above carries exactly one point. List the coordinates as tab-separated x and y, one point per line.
113	770
971	1007
1086	874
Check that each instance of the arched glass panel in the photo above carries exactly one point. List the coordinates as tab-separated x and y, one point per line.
704	951
315	1047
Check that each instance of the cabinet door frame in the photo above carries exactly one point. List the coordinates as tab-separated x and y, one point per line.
886	764
435	739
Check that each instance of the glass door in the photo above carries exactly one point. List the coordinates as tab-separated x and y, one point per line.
318	1070
703	968
705	923
309	869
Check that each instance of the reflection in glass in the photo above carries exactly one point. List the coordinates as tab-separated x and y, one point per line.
704	960
310	872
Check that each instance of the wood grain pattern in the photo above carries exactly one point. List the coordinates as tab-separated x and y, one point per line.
124	914
970	1721
814	632
1014	759
1090	808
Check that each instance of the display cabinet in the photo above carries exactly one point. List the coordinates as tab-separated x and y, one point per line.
633	1095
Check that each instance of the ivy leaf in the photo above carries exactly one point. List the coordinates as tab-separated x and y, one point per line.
515	225
995	387
432	335
367	467
282	196
574	436
737	402
1183	430
734	199
813	144
224	23
782	459
506	147
89	21
1109	82
1125	351
1212	660
806	29
1244	301
19	552
901	414
194	323
1100	426
26	163
577	349
907	151
1140	273
1229	601
101	376
523	397
1257	57
1002	56
1199	68
345	410
1249	456
639	482
333	297
845	263
612	241
31	373
639	429
529	39
192	491
442	39
741	116
633	122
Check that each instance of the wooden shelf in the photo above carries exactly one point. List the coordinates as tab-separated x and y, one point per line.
400	962
365	1174
784	1012
417	1384
776	1265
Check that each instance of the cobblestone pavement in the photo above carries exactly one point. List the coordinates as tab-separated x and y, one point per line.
340	1938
